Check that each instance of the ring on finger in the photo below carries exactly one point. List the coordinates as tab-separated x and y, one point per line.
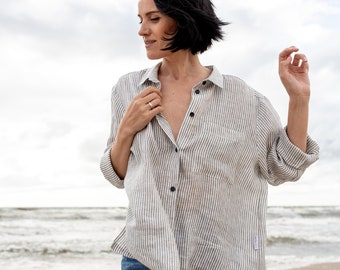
150	104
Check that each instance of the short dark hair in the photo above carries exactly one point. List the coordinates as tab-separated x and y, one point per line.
197	24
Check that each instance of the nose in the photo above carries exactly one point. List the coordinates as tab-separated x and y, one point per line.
143	30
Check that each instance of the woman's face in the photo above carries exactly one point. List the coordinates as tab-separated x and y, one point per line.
154	26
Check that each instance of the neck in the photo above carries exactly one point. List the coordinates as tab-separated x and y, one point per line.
182	65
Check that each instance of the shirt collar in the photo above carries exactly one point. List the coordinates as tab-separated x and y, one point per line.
215	77
151	75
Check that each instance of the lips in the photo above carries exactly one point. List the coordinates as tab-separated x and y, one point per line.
149	42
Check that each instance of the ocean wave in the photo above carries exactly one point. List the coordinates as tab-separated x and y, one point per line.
304	212
49	251
68	213
318	212
274	240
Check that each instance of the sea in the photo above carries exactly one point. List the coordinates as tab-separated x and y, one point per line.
80	238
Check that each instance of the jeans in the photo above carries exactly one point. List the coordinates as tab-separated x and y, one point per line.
132	264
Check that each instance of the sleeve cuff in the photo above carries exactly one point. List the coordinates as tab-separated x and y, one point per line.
293	155
108	171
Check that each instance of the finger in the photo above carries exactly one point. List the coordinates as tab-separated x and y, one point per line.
300	61
154	103
300	58
286	53
155	110
150	97
305	64
296	61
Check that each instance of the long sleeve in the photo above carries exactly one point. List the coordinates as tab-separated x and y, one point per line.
117	111
280	161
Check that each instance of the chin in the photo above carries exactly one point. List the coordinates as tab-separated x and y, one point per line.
153	57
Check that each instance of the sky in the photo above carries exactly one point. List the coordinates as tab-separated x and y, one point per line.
60	58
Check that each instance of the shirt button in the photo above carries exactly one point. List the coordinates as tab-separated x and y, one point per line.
176	150
192	114
172	189
204	82
197	91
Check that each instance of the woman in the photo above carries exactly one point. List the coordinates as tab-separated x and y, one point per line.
195	149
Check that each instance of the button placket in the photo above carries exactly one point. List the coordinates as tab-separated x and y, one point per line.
197	92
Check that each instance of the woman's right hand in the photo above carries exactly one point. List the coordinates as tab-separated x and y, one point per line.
141	110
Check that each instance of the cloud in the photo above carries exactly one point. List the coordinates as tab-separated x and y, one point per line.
63	28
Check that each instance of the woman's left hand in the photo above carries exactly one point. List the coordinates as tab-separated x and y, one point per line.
293	71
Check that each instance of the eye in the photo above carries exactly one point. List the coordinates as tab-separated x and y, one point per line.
140	20
155	19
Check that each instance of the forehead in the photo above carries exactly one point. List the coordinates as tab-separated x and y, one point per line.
145	6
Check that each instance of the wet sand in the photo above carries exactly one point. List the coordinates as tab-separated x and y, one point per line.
323	266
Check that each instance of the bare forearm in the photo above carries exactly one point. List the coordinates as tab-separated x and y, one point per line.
297	126
293	71
120	153
137	116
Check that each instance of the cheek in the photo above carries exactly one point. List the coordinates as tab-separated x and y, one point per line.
172	29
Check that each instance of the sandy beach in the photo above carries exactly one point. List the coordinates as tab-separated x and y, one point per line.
323	266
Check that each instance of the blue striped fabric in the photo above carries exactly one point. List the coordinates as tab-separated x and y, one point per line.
199	202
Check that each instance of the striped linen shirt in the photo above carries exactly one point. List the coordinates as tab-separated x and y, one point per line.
199	202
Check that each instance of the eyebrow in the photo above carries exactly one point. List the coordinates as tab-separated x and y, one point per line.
149	13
